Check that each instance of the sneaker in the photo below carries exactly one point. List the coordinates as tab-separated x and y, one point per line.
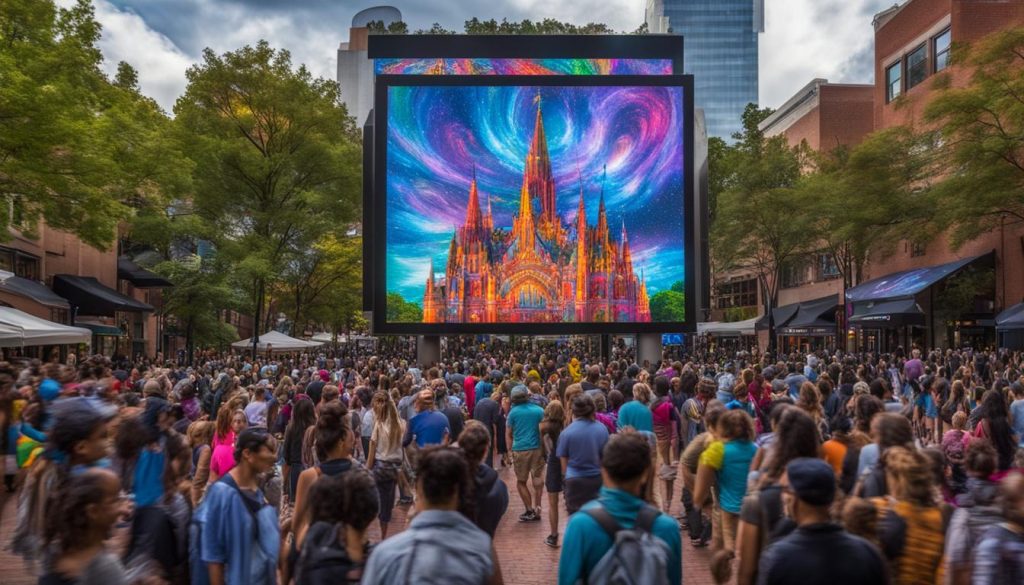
536	514
528	516
699	542
405	501
552	540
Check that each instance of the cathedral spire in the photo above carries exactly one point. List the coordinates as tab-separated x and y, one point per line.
474	219
539	178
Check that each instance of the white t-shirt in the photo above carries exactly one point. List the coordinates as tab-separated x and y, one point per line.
256	413
389	448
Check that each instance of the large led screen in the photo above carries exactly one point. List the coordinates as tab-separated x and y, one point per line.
491	66
526	202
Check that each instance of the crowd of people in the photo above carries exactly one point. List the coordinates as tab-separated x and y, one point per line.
827	467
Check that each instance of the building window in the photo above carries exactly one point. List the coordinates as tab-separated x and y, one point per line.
916	249
892	80
794	273
827	268
21	264
917	66
738	293
941	50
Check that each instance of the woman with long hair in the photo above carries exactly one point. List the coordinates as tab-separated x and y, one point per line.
303	416
384	455
200	435
809	401
230	422
551	426
665	419
995	426
796	436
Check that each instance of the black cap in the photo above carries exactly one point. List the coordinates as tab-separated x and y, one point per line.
812	480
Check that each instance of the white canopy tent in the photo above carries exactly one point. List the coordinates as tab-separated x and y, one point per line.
728	329
277	342
327	337
19	329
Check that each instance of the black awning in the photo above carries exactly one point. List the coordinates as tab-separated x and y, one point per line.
93	298
139	276
890	313
818	313
1011	318
31	289
781	314
908	282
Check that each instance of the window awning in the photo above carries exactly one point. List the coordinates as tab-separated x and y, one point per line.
100	328
1011	318
733	329
92	298
817	313
887	313
907	283
31	289
139	276
781	314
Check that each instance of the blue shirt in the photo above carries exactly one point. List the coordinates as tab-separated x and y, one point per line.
427	427
1017	412
585	543
227	535
524	420
635	414
582	443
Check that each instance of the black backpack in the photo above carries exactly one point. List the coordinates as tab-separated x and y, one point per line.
324	560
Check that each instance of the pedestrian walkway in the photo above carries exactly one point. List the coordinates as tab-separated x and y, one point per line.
524	558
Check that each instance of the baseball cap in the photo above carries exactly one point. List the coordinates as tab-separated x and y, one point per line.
812	480
519	394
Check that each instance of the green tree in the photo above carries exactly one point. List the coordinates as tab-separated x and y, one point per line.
319	286
402	311
669	305
981	158
201	291
277	160
760	218
75	148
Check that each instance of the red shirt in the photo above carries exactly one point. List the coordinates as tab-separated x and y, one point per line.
469	387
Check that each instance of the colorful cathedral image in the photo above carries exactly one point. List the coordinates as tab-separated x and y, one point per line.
535	204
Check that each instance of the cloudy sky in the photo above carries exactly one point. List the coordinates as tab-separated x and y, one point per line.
804	39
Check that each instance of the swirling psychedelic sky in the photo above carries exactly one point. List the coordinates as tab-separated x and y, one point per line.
438	136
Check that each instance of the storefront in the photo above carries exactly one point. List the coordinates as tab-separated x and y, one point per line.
806	326
104	310
728	337
911	309
1010	328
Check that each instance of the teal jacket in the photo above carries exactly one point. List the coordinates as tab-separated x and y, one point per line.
585	542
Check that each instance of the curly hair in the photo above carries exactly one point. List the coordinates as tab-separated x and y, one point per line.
350	498
736	424
67	523
911	476
474	440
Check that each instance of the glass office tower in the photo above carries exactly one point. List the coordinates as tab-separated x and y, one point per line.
720	50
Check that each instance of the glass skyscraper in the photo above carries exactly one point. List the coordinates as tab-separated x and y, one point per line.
720	50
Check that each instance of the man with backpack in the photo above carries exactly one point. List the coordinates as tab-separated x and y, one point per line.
619	534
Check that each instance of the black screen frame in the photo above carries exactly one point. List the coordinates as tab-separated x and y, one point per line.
379	252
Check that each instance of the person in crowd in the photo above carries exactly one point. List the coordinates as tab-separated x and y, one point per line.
994	425
999	557
490	495
1017	411
550	429
636	413
428	427
888	429
384	456
697	521
256	410
762	512
235	535
725	463
200	435
488	412
77	526
335	442
230	422
818	551
440	545
336	546
579	449
665	420
523	436
303	417
589	535
976	510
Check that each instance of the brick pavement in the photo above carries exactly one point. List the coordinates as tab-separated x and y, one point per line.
524	558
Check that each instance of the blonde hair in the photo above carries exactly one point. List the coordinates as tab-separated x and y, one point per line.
642	393
910	476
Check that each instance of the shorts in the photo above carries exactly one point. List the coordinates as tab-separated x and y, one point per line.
553	477
580	490
528	463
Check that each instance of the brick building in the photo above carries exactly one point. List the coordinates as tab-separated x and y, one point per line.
912	43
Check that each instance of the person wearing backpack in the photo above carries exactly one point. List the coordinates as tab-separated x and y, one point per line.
819	551
336	546
999	557
619	534
976	511
234	535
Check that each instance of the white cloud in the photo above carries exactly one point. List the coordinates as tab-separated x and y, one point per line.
804	39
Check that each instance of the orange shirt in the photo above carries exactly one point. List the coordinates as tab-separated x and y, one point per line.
834	452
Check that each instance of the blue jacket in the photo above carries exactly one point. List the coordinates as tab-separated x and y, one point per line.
585	542
226	534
